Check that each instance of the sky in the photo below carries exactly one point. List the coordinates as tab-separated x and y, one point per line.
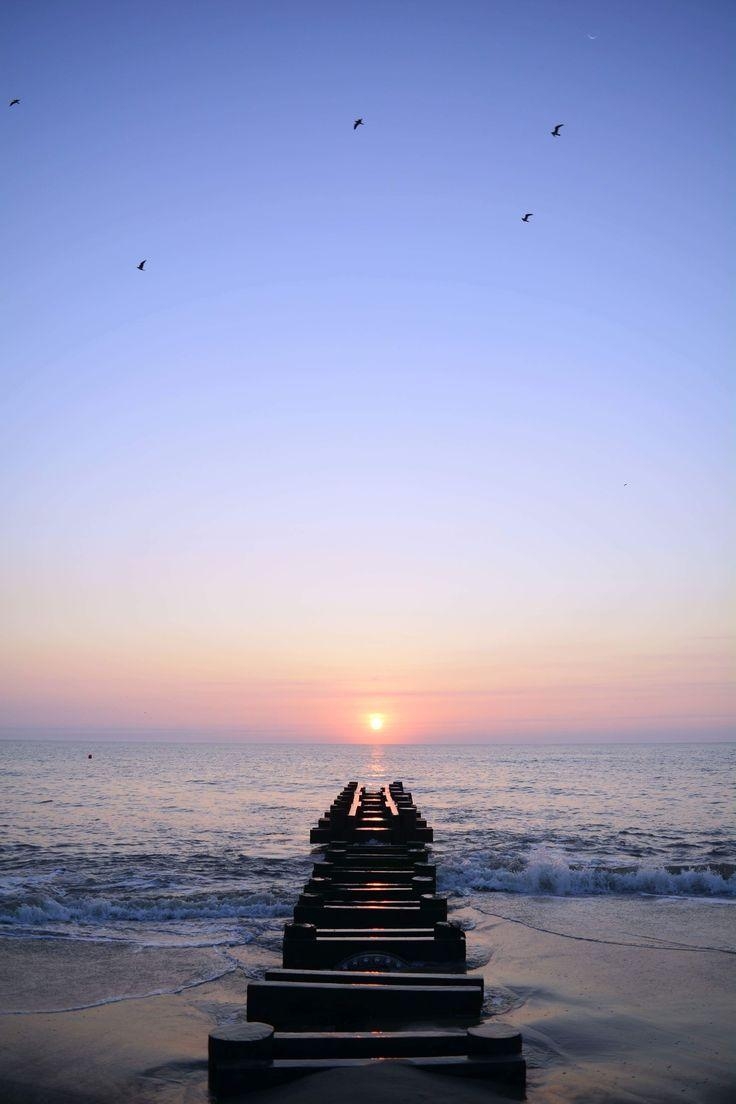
358	441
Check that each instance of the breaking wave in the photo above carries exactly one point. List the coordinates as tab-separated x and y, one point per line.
546	874
94	910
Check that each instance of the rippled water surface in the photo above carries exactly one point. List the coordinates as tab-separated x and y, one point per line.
188	844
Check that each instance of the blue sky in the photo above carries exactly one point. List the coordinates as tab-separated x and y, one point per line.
357	428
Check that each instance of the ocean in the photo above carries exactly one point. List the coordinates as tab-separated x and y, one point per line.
207	844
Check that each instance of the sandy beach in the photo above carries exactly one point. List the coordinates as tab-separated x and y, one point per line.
618	1000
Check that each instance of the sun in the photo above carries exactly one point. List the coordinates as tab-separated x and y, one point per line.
376	721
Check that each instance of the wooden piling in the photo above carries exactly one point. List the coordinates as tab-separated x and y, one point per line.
370	949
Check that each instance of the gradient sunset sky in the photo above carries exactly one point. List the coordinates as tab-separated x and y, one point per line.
359	440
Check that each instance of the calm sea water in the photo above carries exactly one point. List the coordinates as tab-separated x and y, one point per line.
205	845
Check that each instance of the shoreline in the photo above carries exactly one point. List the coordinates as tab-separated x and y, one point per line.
606	1017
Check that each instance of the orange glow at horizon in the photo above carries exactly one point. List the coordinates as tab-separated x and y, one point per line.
592	689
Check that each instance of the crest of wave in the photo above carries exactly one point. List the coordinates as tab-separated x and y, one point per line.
98	909
546	873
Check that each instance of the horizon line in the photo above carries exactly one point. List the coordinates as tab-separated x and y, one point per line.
488	741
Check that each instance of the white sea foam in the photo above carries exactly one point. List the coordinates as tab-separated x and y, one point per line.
546	873
90	910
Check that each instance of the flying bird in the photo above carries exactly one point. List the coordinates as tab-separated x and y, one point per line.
140	266
592	37
527	216
357	123
556	132
13	103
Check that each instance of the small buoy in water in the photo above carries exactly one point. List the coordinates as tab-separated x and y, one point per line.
90	755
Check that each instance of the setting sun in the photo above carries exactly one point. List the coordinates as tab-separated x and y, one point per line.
376	721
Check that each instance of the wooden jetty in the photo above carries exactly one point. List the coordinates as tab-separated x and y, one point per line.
372	969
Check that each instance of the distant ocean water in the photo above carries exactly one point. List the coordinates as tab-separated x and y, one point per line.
207	845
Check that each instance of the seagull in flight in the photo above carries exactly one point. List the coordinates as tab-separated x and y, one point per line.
357	123
527	216
556	132
140	266
592	37
13	103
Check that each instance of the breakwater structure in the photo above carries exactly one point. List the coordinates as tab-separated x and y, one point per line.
372	969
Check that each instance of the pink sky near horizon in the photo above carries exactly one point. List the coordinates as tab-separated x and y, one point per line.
526	693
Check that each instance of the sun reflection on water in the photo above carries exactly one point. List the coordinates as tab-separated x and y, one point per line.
377	763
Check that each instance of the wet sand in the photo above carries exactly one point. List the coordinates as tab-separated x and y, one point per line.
619	1000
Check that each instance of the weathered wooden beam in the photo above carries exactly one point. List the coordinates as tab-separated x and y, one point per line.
288	1004
251	1076
426	910
346	977
364	949
339	873
370	1044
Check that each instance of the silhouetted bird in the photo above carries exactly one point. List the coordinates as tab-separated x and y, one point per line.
357	123
556	132
13	103
140	266
527	216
